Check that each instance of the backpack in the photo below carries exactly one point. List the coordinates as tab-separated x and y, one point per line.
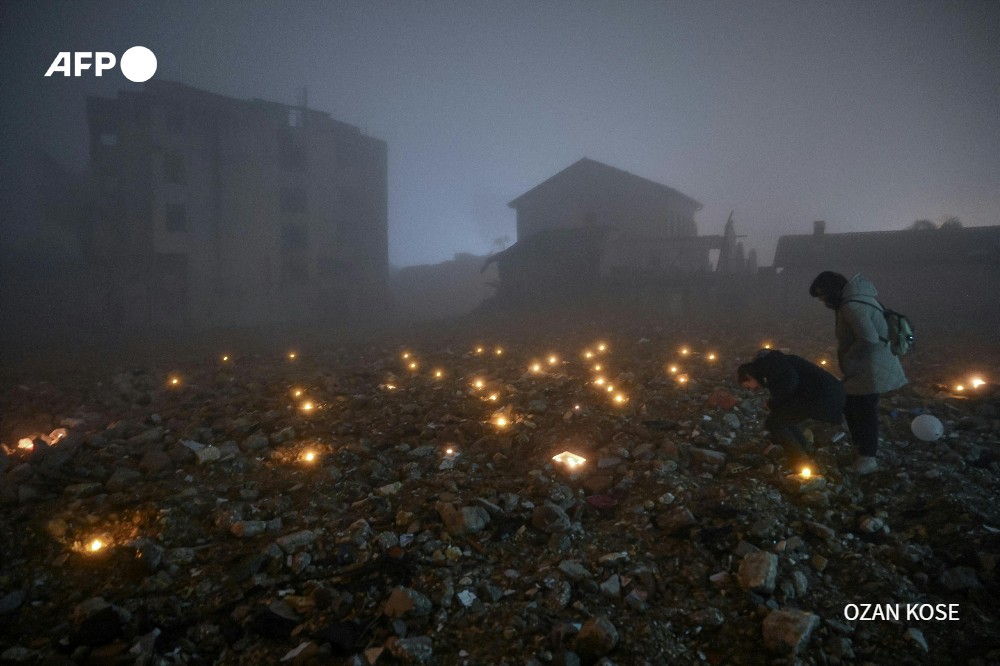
901	334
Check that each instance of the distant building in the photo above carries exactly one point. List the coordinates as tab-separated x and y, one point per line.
214	211
947	272
592	223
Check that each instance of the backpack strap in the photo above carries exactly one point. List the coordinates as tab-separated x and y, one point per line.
879	307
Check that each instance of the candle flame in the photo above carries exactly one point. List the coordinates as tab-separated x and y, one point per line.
309	456
620	399
806	472
569	459
479	350
767	345
307	406
685	351
413	366
292	356
478	383
682	379
588	354
602	347
501	421
499	351
438	374
25	443
674	369
959	388
711	357
977	382
552	360
536	367
225	358
450	451
406	355
95	545
823	362
494	396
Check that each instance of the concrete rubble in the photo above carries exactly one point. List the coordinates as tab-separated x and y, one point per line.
399	520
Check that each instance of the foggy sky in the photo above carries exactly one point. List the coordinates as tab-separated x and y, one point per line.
868	115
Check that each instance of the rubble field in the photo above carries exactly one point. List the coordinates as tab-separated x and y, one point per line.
398	503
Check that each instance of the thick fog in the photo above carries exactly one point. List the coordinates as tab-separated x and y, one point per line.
869	116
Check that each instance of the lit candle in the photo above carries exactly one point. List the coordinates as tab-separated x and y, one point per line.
292	356
805	481
413	365
823	362
307	407
174	381
977	382
571	460
406	355
682	379
438	374
390	387
309	456
501	422
674	369
620	399
225	358
599	381
588	354
959	388
767	345
602	347
685	351
711	357
479	350
95	545
297	393
478	383
499	351
26	444
494	397
806	472
536	367
553	360
597	368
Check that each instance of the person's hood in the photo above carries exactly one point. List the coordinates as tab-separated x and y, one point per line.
858	287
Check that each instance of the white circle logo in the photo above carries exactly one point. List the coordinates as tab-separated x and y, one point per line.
138	64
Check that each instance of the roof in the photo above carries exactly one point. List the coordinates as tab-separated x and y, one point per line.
589	166
878	248
545	243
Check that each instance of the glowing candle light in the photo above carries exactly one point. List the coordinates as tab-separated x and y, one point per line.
597	368
823	362
174	381
674	369
588	354
95	545
576	407
536	367
499	351
406	355
569	459
449	452
438	374
494	397
682	379
711	357
599	381
767	345
959	388
390	387
309	456
501	422
685	351
553	360
977	382
620	399
806	472
307	406
610	388
26	444
479	350
602	347
297	393
413	365
225	358
478	383
292	356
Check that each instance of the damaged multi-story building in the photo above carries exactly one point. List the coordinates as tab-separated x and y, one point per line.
211	211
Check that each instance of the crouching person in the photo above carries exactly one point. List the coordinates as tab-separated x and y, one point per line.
800	391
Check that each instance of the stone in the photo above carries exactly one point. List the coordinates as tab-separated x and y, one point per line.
417	650
405	602
788	631
758	572
550	518
122	479
597	638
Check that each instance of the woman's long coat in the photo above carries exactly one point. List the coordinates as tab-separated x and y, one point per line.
866	361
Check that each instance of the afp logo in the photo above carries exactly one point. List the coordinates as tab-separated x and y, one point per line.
138	64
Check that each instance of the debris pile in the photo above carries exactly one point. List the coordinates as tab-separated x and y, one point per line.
552	500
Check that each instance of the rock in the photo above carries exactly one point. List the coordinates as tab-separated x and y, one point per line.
675	519
418	650
467	520
597	638
550	518
708	456
787	631
12	601
574	570
758	571
122	479
404	602
957	579
292	542
256	442
155	462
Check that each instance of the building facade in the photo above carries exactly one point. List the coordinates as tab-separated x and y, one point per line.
211	211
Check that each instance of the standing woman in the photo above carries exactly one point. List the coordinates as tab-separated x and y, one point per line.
866	360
